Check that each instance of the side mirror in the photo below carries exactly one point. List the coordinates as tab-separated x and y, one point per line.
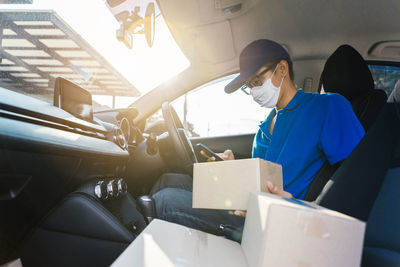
133	21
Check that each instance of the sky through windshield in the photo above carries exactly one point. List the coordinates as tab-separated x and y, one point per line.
144	67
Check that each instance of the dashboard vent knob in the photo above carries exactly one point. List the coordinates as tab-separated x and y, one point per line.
112	188
100	190
122	187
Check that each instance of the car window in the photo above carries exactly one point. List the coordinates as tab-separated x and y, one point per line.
385	77
209	111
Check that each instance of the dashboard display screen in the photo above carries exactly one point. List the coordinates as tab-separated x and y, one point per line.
73	99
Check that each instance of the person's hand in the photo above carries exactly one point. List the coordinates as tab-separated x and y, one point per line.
276	191
227	155
273	189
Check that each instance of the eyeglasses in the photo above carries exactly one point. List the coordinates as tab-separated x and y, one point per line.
256	81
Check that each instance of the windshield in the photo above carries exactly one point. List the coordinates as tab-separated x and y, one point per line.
45	39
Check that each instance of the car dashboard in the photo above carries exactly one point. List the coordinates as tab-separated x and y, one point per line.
56	175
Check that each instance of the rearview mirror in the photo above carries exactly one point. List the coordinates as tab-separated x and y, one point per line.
133	20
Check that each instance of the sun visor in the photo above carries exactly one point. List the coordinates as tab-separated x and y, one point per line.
191	13
214	43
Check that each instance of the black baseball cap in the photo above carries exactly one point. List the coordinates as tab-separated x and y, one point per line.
253	57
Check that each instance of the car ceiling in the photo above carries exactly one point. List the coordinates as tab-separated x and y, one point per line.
310	30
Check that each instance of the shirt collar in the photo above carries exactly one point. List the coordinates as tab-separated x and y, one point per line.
295	101
292	105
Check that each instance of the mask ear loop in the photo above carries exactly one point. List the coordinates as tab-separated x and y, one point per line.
282	81
282	77
273	75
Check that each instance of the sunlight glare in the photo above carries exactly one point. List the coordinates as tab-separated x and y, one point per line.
144	67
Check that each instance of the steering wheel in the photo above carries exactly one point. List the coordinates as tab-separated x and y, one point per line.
178	137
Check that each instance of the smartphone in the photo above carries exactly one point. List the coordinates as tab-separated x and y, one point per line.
209	152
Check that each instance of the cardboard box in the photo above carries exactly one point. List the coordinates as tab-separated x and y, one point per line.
289	232
277	232
227	184
165	244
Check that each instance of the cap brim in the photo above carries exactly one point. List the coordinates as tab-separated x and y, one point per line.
235	84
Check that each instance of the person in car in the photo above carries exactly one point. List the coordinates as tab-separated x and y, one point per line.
302	132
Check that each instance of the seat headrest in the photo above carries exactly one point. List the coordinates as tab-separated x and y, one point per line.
395	94
346	72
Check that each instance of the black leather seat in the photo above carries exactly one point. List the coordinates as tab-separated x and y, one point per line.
346	73
367	186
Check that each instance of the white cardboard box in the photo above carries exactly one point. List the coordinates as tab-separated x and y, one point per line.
289	232
227	184
277	232
165	244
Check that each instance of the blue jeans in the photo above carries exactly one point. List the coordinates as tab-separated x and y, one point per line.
173	198
173	180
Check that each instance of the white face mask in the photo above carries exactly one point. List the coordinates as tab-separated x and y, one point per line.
267	94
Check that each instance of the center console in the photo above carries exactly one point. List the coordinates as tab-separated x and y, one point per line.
90	227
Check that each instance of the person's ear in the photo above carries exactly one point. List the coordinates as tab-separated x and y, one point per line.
283	68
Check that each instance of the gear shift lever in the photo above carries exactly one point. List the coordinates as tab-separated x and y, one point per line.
147	206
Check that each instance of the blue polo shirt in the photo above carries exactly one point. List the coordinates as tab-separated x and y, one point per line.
310	130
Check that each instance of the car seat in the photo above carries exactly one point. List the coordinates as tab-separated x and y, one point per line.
367	186
346	73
